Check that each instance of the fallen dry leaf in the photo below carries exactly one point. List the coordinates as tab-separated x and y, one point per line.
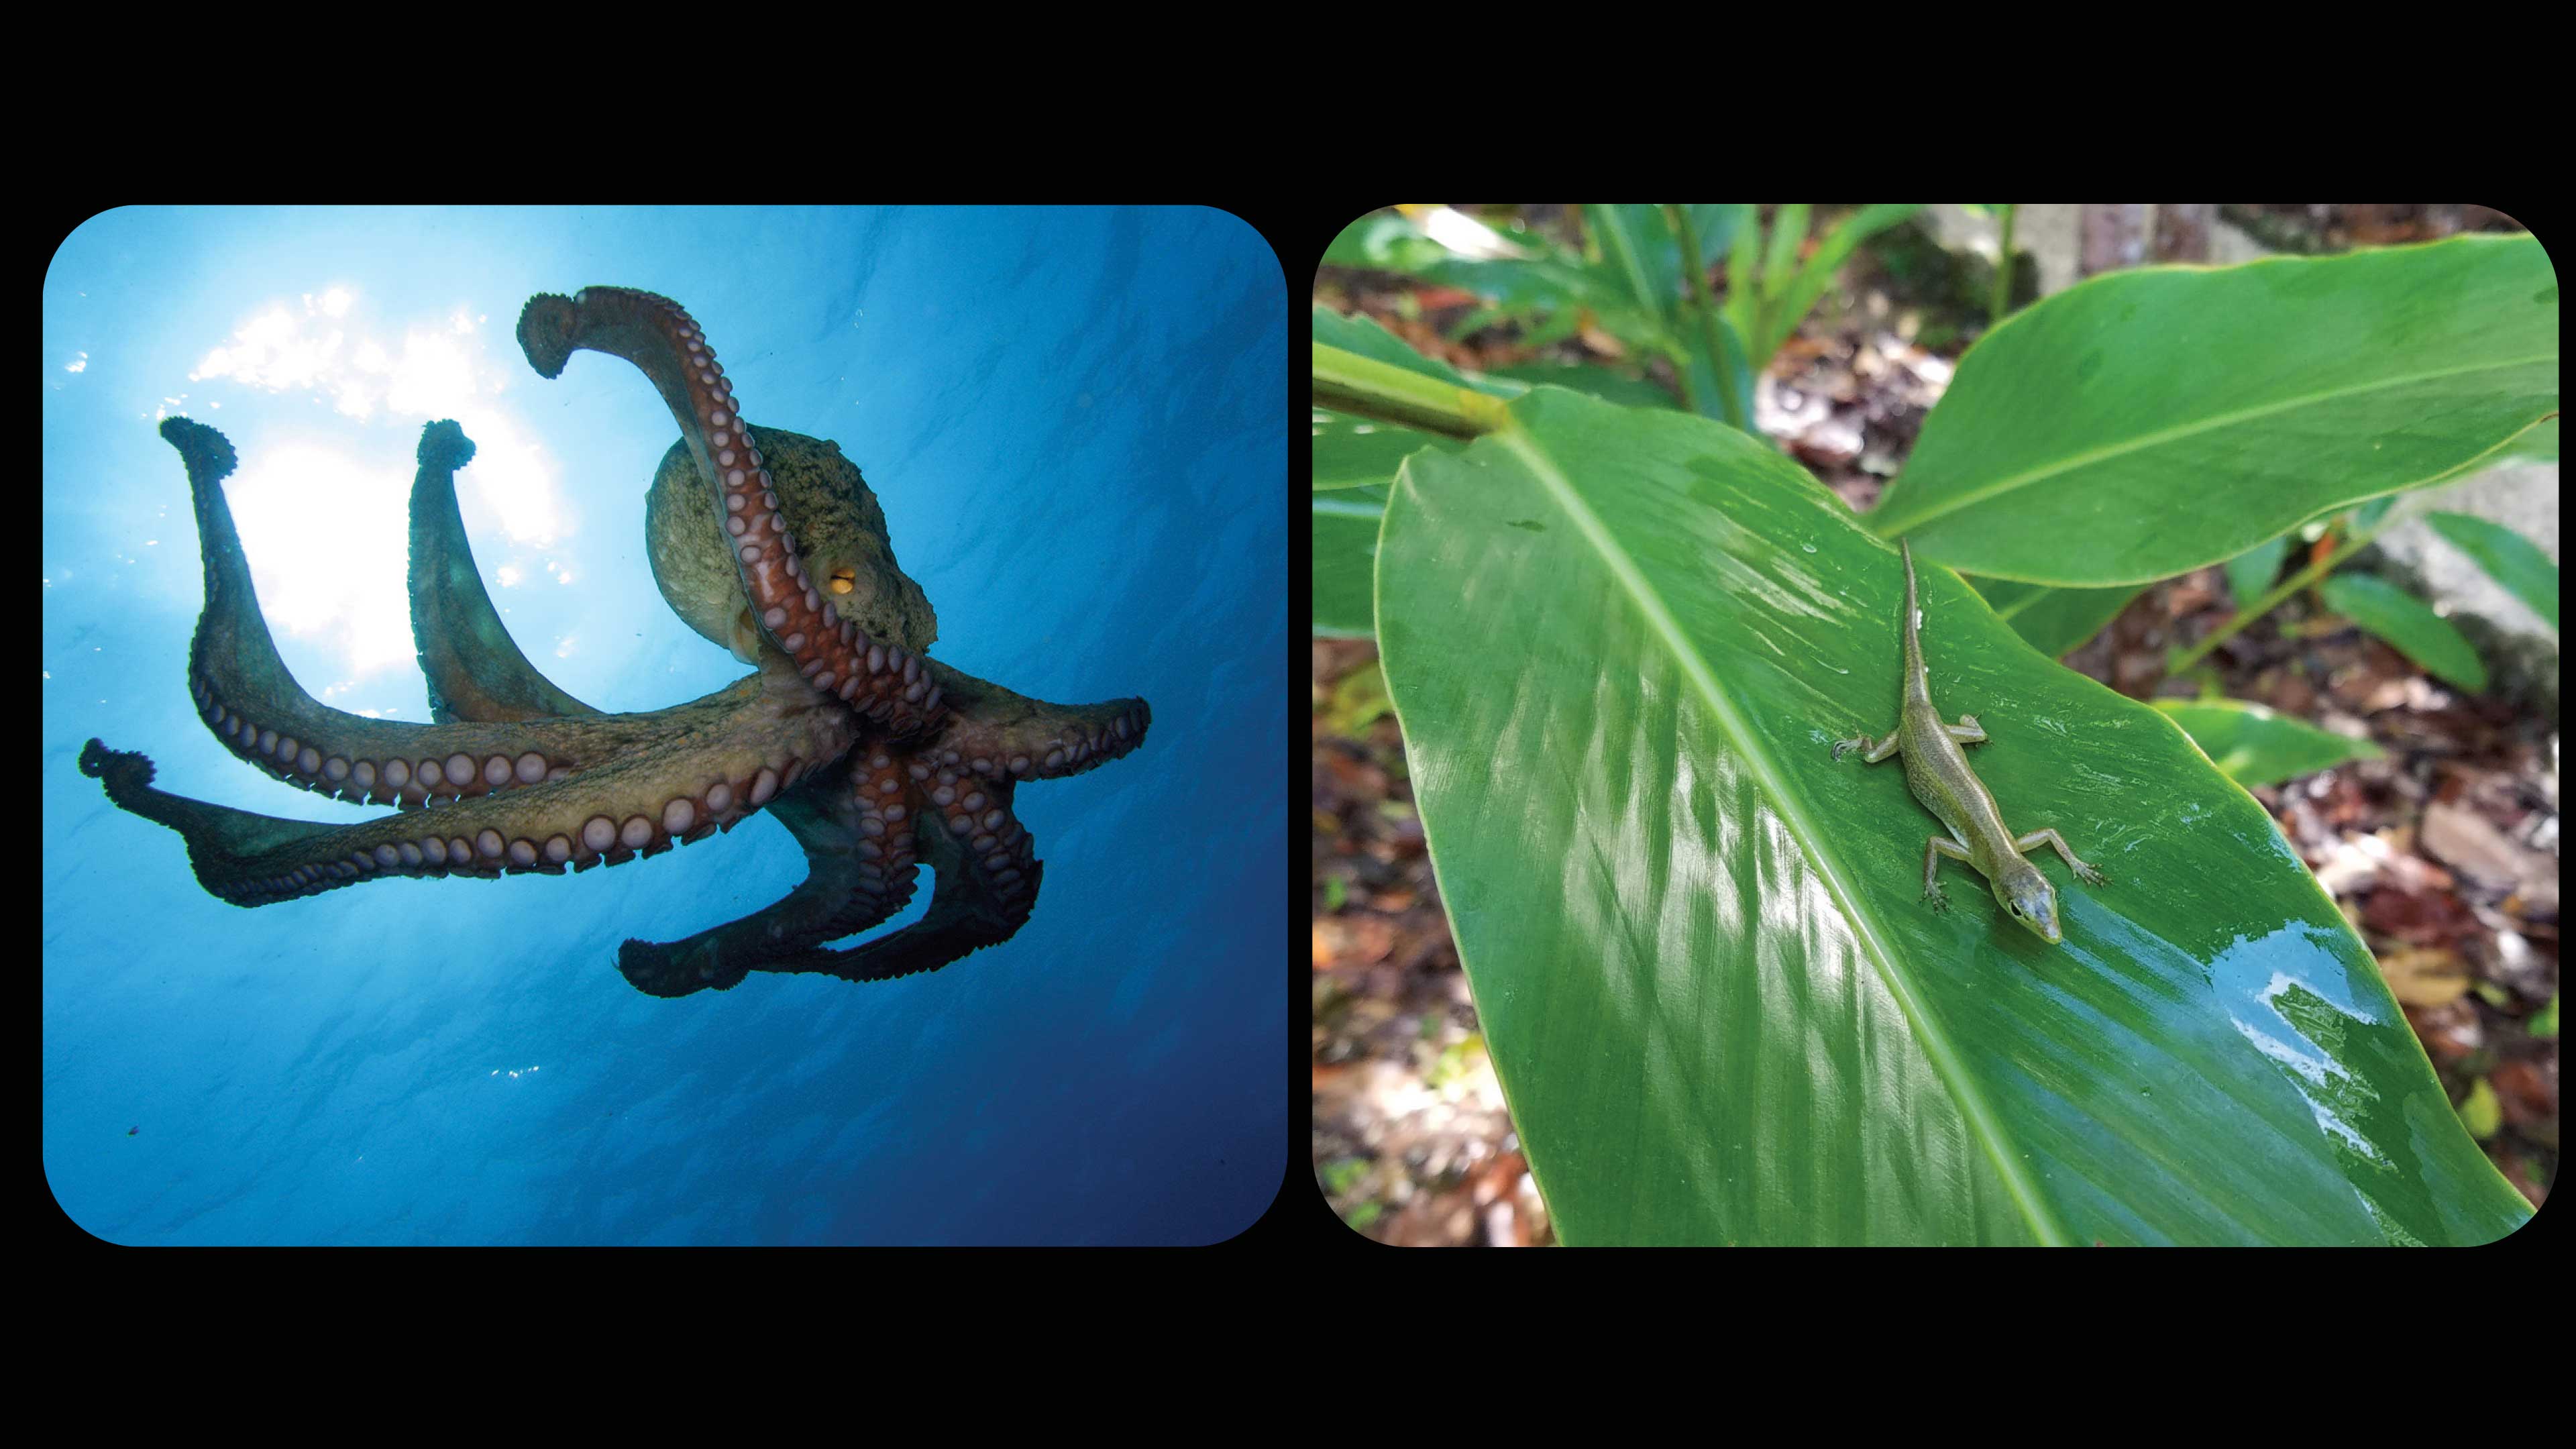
2425	975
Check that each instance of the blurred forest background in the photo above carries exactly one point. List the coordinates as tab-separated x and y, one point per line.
2443	851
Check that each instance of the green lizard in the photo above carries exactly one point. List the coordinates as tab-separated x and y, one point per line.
1936	770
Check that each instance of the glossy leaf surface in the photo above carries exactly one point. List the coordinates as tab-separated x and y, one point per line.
2260	746
1621	644
1354	464
2148	422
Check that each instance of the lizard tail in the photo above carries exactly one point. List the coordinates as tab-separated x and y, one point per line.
1916	685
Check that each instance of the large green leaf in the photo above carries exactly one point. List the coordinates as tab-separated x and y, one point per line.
1345	532
2153	421
1355	452
1621	644
1547	283
2258	746
2053	621
2408	625
1355	461
1364	336
2508	558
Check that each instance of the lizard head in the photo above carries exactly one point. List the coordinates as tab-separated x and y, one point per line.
2028	898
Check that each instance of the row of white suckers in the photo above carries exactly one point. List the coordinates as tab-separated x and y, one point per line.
459	775
748	500
983	825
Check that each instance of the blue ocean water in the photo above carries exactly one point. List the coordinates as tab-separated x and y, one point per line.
1074	421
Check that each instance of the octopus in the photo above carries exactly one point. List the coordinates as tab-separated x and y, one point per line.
877	758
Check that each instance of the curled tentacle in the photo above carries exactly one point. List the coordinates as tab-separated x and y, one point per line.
976	904
857	831
876	758
986	864
656	334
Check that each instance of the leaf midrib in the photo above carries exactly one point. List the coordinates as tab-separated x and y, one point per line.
1937	1047
1899	522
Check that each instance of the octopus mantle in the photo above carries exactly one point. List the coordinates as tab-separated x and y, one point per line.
877	758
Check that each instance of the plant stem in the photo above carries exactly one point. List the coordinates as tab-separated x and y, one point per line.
2346	546
1730	407
1368	388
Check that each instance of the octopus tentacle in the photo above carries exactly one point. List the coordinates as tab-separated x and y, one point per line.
857	874
973	907
986	863
250	700
474	668
859	850
873	676
876	758
755	739
996	733
991	849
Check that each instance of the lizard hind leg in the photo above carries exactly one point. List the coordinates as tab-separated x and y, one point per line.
1873	750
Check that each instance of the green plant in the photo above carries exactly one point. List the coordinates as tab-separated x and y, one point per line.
2507	557
1621	640
2381	609
1630	279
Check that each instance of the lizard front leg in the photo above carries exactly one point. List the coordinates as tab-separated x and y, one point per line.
1877	749
1933	849
2083	871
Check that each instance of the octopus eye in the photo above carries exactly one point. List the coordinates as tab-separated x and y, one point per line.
844	579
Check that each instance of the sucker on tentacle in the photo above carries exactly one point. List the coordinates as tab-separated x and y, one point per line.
664	342
760	736
246	695
996	733
876	758
478	798
858	830
968	912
